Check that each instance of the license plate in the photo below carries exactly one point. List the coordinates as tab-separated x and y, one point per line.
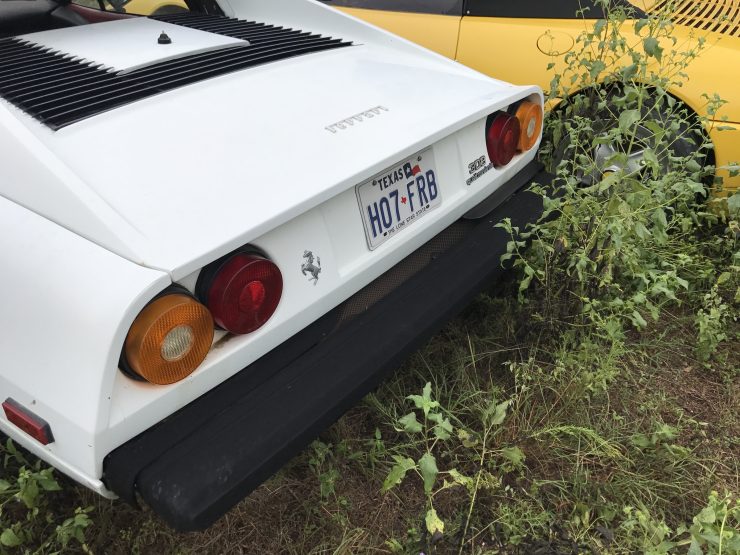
398	197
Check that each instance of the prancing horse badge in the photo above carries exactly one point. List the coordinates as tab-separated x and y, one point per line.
309	267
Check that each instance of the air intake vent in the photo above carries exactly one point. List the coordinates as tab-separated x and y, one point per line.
58	90
719	16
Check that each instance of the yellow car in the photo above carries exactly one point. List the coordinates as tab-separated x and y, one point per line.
136	7
516	40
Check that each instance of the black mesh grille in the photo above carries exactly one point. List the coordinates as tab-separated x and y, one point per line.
59	90
403	271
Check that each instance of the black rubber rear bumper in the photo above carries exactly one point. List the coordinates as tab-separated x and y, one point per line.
195	465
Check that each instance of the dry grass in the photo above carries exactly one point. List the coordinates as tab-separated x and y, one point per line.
659	381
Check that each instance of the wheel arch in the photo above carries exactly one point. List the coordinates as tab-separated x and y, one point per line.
675	92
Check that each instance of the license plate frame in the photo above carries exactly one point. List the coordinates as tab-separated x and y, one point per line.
399	196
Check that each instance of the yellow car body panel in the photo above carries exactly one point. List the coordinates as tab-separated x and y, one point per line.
151	7
727	151
435	32
519	50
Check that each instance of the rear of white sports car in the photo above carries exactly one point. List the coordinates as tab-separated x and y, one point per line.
219	230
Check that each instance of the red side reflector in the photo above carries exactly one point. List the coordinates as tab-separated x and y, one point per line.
34	426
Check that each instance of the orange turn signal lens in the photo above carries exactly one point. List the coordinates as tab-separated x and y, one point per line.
529	115
169	339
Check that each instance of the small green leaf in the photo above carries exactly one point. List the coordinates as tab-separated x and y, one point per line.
597	66
640	24
659	217
434	523
418	400
514	455
47	481
410	424
427	391
424	401
29	493
609	180
429	471
694	548
733	205
723	277
707	516
10	538
524	284
652	48
461	479
496	413
651	159
629	72
468	440
4	485
638	319
641	440
628	119
443	430
398	472
641	231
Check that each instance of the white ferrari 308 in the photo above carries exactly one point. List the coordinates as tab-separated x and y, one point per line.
222	226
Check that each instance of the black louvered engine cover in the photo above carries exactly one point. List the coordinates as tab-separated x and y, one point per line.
58	90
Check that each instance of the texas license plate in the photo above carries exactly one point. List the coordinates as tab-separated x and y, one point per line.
398	197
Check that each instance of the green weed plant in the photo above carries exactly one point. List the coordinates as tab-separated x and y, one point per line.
29	521
571	450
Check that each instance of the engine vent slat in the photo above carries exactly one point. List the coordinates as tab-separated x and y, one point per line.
22	58
58	90
718	16
35	67
154	82
52	75
10	47
221	26
42	84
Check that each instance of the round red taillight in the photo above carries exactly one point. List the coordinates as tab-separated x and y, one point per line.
241	290
502	138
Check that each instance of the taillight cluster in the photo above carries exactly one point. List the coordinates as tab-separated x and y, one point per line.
241	290
173	333
514	131
169	338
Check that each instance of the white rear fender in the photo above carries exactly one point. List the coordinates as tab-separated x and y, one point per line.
39	180
65	308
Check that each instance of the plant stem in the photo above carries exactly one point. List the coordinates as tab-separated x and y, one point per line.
474	494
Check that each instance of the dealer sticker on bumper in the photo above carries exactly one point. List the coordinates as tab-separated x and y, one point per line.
398	197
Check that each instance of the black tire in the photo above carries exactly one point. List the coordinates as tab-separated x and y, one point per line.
587	120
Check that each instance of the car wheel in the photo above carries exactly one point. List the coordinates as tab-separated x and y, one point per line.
586	136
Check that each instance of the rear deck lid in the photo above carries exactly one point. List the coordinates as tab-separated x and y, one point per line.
185	175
